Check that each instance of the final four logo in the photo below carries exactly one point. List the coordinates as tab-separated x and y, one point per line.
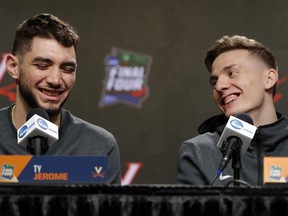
126	78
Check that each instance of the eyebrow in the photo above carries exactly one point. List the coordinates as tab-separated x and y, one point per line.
229	67
213	77
40	59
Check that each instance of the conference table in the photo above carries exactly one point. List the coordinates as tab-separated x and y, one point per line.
145	200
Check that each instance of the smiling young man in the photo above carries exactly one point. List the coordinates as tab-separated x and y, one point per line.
244	78
43	63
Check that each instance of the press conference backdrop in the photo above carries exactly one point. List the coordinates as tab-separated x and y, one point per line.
163	43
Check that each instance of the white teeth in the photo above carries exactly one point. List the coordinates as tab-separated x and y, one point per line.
50	93
229	99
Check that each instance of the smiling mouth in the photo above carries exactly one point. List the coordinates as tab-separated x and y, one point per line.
229	99
52	93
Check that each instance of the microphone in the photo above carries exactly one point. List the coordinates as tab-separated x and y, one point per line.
37	133
237	135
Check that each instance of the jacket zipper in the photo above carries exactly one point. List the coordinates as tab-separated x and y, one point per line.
259	150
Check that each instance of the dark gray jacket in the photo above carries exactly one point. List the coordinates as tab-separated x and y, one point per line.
76	137
199	157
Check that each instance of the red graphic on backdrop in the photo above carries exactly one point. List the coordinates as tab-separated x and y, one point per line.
3	66
279	96
8	90
133	169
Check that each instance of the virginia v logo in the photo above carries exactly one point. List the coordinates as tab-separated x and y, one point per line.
98	172
98	169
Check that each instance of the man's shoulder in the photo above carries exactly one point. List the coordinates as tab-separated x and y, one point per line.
4	109
82	126
4	112
206	139
209	131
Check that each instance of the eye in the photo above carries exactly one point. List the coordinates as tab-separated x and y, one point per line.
232	73
213	81
68	68
41	66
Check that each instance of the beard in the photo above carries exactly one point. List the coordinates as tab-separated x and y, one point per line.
30	99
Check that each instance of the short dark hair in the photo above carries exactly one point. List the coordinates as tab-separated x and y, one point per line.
46	26
227	43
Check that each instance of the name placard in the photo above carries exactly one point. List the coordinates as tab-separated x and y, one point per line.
275	170
53	169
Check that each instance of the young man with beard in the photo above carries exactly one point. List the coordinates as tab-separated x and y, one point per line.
243	78
43	64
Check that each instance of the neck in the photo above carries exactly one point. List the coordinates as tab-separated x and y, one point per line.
19	114
264	118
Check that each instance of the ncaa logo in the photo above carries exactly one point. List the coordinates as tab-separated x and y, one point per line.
113	61
236	124
23	131
42	124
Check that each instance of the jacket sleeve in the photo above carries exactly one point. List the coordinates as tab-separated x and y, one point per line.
114	163
188	169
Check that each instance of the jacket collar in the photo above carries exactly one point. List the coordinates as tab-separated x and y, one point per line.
270	136
214	123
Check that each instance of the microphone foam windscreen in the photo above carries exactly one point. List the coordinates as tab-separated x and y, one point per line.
38	111
244	117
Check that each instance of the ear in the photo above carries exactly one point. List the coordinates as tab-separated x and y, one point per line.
271	78
12	64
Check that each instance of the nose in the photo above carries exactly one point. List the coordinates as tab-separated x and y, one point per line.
54	77
221	84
